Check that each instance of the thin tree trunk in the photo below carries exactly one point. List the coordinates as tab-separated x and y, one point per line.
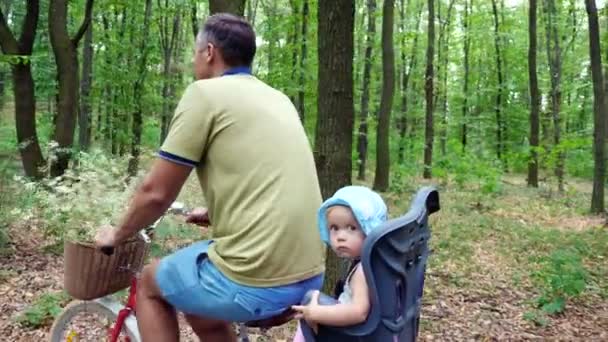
498	104
230	6
136	128
599	106
5	8
439	52
476	115
428	87
367	67
300	104
402	120
168	43
66	58
105	113
445	42
333	138
581	122
252	9
504	126
555	69
194	19
118	123
84	121
407	72
383	163
23	88
468	4
3	80
292	44
534	97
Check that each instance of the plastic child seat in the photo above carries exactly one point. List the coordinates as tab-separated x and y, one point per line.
394	260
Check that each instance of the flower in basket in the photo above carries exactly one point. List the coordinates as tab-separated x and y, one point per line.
90	194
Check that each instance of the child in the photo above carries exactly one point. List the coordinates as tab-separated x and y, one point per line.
345	220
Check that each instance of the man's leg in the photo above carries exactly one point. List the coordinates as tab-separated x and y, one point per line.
156	319
211	330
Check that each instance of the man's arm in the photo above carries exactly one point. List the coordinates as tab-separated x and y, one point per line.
158	190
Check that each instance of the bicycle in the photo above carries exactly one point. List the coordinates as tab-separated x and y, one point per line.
124	315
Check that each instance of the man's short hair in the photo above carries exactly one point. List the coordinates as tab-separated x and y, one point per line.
234	37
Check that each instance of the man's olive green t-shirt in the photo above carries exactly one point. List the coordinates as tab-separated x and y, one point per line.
256	168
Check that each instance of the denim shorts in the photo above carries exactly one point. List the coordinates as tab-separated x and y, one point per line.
190	282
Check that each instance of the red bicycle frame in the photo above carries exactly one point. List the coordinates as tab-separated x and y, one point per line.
114	332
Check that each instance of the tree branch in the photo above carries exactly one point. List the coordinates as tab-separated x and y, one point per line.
28	31
85	23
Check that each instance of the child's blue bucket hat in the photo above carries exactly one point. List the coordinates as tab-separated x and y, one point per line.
367	206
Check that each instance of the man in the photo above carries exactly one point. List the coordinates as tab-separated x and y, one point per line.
256	169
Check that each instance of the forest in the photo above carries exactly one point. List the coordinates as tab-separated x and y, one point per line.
499	104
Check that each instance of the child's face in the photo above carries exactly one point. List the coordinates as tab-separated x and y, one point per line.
345	234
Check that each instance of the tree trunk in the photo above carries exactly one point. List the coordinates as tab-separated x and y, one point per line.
3	77
194	19
23	88
445	43
138	95
383	163
333	141
468	4
428	89
25	118
84	120
300	105
5	7
230	6
439	52
402	120
498	104
367	67
65	51
476	115
581	121
407	72
252	8
168	43
555	69
534	98
599	106
292	44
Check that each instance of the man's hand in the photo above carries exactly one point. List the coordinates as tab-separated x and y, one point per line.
307	312
106	237
199	216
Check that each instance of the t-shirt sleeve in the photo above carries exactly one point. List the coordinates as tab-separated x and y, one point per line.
190	128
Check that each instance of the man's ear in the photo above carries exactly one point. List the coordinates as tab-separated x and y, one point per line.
211	51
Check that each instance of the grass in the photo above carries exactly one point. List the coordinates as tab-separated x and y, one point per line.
524	239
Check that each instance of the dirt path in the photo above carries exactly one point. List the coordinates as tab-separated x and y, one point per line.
490	311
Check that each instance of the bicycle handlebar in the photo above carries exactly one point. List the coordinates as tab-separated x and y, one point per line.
107	250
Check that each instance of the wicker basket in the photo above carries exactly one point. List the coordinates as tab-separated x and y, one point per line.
90	274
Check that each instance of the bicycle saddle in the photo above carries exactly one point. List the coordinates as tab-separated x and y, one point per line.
273	321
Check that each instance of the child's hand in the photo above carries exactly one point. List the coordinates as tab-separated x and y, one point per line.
307	311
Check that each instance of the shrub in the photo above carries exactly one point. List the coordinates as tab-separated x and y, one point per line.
562	276
87	196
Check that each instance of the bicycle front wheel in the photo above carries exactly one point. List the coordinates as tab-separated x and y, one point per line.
90	321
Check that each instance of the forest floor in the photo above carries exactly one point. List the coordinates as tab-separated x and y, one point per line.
493	257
